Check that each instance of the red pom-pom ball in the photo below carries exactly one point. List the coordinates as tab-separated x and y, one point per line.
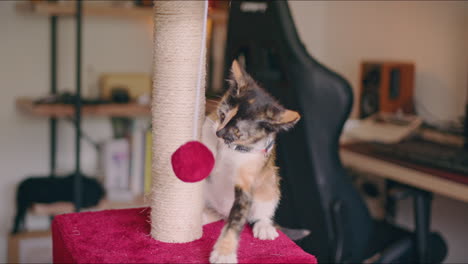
192	162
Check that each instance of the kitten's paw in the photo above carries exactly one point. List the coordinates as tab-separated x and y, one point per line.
264	230
216	257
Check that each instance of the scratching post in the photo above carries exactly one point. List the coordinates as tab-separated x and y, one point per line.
177	109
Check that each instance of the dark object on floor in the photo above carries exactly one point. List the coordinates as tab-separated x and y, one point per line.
317	193
294	234
53	189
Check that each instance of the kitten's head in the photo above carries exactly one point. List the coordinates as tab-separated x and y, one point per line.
248	114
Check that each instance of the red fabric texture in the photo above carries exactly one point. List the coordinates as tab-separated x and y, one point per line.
192	162
122	236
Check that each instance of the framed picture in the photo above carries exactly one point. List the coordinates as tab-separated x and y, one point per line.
30	247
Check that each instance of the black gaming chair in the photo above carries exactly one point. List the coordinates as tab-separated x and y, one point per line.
317	193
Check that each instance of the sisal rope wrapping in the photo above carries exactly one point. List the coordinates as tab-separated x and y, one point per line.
176	213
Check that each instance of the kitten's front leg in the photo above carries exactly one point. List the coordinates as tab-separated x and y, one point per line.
261	217
264	203
225	249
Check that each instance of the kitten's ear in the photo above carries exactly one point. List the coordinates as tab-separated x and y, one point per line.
239	76
286	120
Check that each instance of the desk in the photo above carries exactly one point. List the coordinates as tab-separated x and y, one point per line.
428	180
416	178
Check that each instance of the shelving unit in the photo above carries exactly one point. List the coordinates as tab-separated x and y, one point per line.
16	241
69	9
28	106
77	9
96	9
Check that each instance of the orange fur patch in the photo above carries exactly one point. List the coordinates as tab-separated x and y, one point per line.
267	184
245	179
249	172
289	116
227	243
229	116
267	190
259	177
238	74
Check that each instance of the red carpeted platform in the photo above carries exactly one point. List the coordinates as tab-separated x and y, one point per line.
122	236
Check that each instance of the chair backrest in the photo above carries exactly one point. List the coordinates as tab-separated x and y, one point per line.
317	194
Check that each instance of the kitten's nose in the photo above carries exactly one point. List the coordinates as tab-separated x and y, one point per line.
228	139
223	133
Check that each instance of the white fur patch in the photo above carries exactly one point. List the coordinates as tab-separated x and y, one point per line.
208	136
215	257
265	230
209	216
262	210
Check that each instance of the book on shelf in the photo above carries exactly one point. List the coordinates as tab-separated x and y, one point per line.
116	161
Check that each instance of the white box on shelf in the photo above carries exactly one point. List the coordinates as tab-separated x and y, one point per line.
116	165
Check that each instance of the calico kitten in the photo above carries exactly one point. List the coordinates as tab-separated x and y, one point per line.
244	184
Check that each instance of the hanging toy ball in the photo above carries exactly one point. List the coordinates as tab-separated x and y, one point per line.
192	162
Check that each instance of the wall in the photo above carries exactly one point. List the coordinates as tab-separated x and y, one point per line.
434	35
431	34
109	45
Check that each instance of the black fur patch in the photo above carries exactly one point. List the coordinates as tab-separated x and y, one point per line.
239	211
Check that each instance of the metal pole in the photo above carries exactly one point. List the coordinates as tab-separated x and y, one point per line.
53	90
78	188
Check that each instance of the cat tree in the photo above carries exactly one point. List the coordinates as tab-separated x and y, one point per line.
177	234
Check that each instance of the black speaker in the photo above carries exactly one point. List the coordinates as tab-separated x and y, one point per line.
370	82
386	87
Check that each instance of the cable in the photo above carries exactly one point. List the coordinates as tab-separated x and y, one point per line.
200	73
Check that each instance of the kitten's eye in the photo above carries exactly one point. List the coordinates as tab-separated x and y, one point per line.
222	116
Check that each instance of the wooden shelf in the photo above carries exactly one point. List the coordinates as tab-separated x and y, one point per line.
28	106
16	241
96	9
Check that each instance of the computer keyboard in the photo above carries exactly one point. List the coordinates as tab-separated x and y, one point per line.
425	153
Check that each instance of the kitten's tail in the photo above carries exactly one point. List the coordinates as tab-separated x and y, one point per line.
294	234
